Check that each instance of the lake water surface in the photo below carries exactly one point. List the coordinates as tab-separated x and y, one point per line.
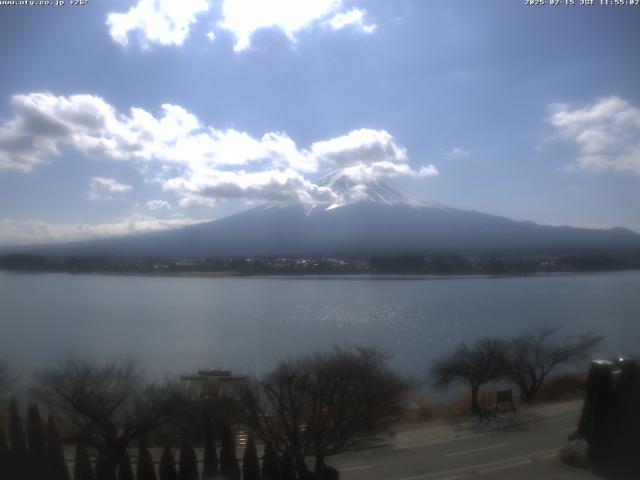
182	324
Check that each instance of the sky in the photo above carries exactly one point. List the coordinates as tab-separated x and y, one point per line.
126	116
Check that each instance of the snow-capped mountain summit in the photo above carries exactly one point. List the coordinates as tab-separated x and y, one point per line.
348	190
366	218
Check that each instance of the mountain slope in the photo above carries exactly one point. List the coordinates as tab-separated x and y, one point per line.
368	218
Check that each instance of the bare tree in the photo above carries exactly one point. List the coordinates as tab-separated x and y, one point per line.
536	353
476	365
6	379
108	403
324	403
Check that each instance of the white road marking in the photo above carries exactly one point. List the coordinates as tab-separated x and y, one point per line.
497	464
463	452
428	443
351	469
518	464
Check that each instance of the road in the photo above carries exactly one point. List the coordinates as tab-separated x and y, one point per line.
516	446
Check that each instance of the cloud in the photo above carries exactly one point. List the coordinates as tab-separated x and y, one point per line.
158	205
375	171
457	152
270	186
165	22
200	164
354	17
359	146
168	22
607	134
27	232
102	188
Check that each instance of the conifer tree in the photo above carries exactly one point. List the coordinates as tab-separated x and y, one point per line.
5	457
145	470
250	464
82	465
19	459
188	463
229	468
167	465
37	450
57	466
210	460
287	467
125	471
270	464
104	470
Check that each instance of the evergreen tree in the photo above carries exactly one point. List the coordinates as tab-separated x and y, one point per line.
37	451
188	463
82	465
145	470
167	466
125	472
57	466
104	470
5	457
210	460
229	468
19	459
250	464
287	467
270	464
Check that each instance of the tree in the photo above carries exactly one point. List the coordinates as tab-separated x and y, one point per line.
536	353
478	364
37	451
210	460
82	465
287	467
229	468
250	463
188	463
322	404
270	464
5	457
145	469
6	379
19	458
109	404
57	465
167	470
125	471
104	470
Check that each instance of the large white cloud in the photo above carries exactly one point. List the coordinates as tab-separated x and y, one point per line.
198	163
206	188
359	146
26	232
607	134
244	17
362	172
168	22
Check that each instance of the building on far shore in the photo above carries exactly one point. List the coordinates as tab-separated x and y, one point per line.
214	382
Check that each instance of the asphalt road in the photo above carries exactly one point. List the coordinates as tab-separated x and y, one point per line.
522	446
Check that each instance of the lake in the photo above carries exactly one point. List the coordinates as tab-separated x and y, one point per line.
177	325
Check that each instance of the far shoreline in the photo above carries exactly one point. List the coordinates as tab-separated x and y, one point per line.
373	276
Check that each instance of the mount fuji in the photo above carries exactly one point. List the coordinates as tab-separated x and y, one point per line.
365	218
